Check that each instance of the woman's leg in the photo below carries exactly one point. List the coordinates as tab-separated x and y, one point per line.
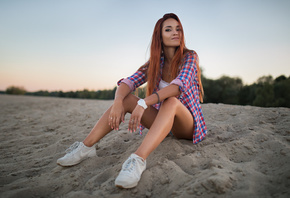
172	115
80	151
102	127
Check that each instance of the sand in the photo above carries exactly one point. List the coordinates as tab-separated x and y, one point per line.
245	154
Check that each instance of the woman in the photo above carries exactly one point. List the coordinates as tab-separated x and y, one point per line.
172	104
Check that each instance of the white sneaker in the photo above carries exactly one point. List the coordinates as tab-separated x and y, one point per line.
131	172
76	153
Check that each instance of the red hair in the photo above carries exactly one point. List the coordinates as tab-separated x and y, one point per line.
153	67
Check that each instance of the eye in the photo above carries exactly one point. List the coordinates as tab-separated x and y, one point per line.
167	30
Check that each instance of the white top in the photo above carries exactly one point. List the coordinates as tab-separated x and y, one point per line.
163	84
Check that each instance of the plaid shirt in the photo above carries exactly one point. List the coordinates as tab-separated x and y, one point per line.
187	81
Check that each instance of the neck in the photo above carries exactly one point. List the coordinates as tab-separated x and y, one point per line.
168	54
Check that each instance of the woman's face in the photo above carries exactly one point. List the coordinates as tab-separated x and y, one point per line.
171	33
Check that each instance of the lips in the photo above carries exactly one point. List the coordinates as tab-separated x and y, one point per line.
175	38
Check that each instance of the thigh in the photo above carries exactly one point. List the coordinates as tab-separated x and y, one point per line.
183	125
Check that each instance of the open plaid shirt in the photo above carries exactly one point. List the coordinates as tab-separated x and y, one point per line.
187	81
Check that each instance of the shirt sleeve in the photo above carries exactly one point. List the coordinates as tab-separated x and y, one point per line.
187	72
137	79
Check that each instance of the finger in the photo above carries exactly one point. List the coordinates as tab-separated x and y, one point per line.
131	125
138	123
135	124
117	123
123	117
114	123
110	120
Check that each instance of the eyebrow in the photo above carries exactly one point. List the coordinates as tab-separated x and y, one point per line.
170	26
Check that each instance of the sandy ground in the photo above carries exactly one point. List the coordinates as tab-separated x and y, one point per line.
246	153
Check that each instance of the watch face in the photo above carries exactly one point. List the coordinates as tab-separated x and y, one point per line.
142	103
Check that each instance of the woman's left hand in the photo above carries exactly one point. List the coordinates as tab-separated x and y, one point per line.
135	118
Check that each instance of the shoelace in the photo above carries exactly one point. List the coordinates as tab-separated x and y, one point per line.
130	165
72	147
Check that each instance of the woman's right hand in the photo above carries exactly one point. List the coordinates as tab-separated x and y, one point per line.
116	115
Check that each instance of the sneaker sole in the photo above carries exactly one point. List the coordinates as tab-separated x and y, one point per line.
120	186
69	165
128	186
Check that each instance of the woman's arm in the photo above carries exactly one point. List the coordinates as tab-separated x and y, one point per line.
137	79
125	87
117	113
169	91
122	91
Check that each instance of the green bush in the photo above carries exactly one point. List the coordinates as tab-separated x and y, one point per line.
15	90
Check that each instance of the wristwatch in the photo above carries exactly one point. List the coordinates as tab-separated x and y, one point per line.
142	103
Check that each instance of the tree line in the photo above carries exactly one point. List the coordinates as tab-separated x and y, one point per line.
265	92
83	94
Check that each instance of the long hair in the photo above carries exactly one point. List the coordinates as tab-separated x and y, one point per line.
153	67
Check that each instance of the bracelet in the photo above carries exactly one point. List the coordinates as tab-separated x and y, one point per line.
142	103
157	96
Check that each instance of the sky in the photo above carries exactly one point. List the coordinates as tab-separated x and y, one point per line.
73	45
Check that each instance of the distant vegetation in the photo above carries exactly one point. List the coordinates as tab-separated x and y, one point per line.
16	90
265	92
84	94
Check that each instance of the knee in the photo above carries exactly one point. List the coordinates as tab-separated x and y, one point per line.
129	102
171	102
130	98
